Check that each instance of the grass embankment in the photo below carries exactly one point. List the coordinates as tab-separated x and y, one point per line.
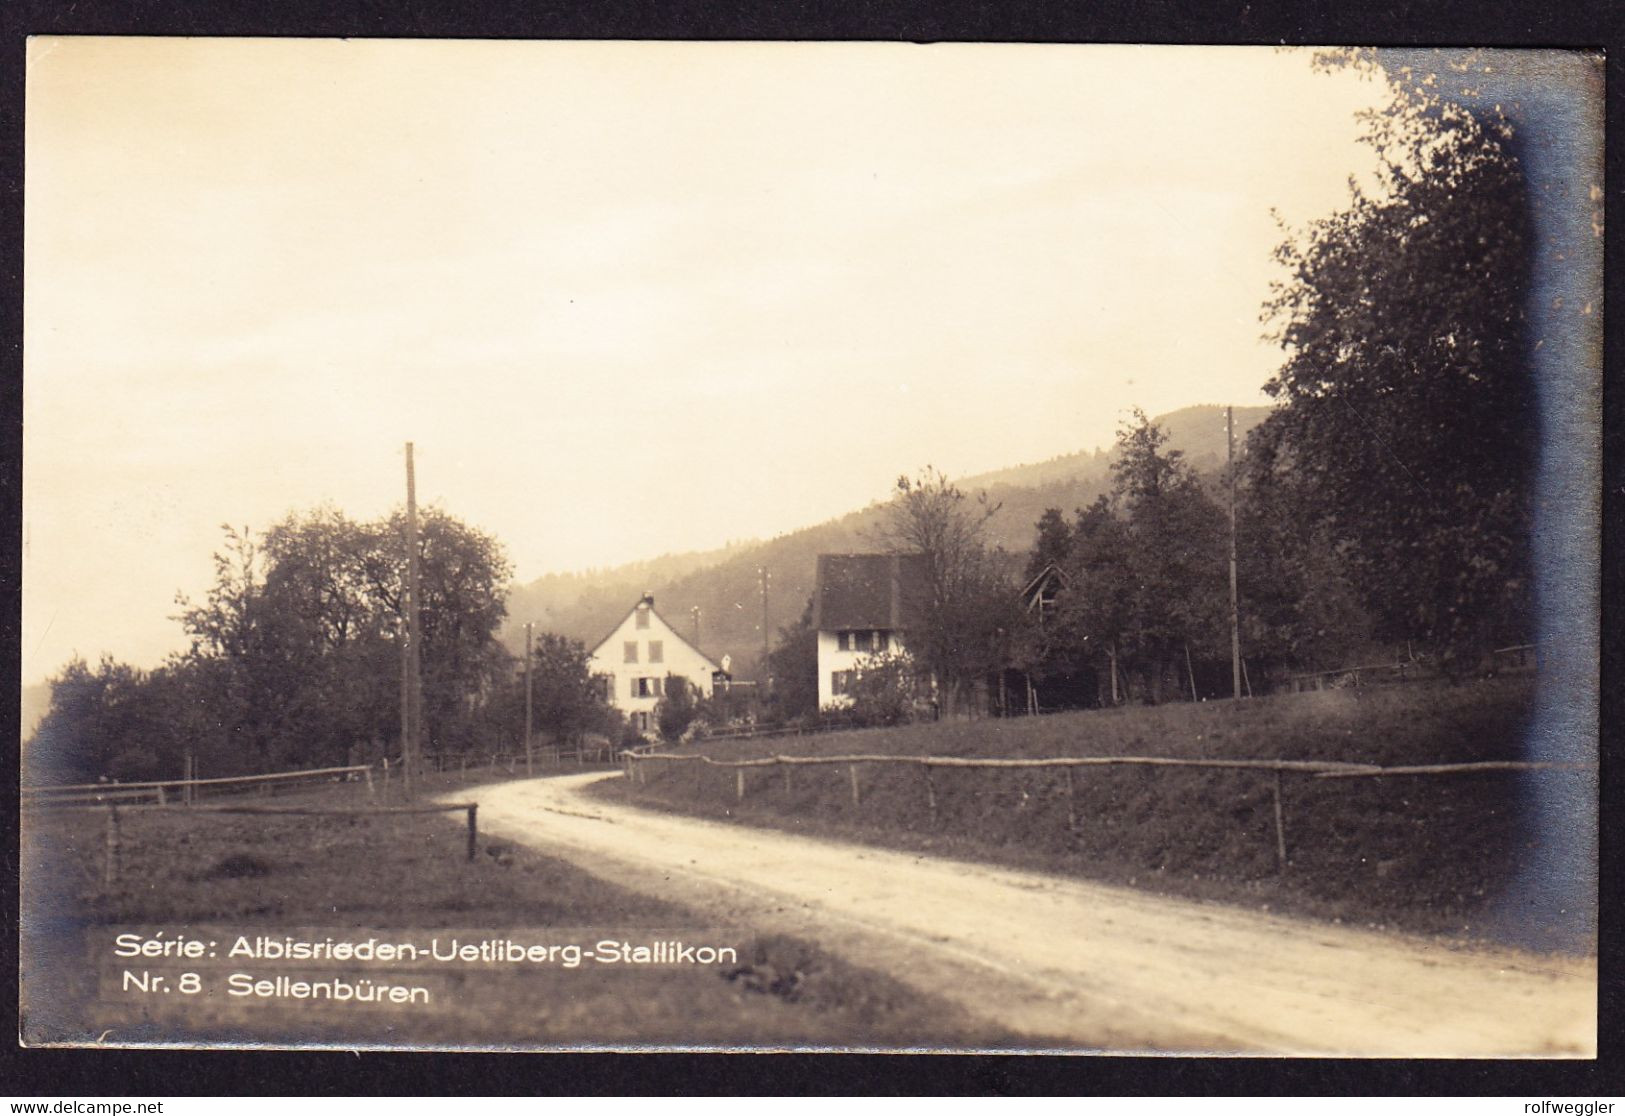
406	877
1425	854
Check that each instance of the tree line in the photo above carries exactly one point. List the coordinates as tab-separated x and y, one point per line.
294	661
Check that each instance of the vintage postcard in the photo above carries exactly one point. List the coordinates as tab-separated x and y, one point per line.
767	546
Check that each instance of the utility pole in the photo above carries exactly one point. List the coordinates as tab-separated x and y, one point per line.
412	702
763	572
696	613
529	770
1235	612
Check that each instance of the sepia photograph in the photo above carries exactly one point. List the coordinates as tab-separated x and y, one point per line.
752	546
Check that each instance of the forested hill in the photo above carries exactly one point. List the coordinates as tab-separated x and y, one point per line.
726	586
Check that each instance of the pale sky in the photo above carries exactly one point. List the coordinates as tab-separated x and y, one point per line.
626	299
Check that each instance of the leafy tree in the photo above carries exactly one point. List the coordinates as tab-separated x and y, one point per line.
566	701
677	707
965	608
885	690
1407	416
300	635
1054	545
1145	575
1299	608
1091	623
113	721
793	664
462	574
1176	591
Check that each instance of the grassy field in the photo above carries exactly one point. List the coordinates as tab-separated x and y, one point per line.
1421	854
406	877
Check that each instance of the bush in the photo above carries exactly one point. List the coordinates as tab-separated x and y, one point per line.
676	711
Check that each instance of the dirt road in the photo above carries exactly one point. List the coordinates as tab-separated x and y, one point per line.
1092	966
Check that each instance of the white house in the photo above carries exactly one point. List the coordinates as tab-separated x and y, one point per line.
635	658
862	606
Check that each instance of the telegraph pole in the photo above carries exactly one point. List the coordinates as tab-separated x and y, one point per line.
529	770
1235	612
696	613
412	728
763	572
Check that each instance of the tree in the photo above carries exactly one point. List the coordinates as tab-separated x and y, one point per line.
1088	628
1174	577
965	608
676	709
793	665
463	574
1300	609
566	701
885	689
1054	545
300	635
1145	585
1407	414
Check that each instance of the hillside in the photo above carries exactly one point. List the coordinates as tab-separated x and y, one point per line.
726	586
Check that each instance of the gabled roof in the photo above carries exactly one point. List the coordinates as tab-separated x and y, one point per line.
1049	573
868	591
675	634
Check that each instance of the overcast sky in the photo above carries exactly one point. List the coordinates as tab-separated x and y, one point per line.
626	299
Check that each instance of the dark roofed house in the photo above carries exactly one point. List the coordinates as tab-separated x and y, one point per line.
864	604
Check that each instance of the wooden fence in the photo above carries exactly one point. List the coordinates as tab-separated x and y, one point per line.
156	795
162	790
512	762
633	761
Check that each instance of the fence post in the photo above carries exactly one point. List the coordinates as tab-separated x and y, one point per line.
372	791
739	783
930	792
786	777
852	769
110	866
473	829
162	799
1280	826
1071	801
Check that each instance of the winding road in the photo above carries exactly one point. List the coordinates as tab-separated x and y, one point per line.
1093	966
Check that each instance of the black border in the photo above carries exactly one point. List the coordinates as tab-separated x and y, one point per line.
60	1073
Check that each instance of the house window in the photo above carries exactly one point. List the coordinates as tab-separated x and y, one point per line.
863	641
843	640
630	650
643	617
645	687
882	641
841	681
657	651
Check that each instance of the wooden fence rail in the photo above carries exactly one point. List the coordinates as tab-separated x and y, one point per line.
158	788
1275	768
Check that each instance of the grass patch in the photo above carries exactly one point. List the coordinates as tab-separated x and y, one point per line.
408	876
1421	854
